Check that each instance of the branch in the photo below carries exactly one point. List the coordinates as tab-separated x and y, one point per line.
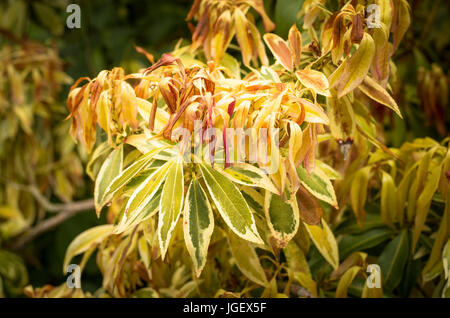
70	210
45	203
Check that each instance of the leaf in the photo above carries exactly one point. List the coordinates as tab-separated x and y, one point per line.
171	204
50	19
393	260
247	260
295	44
346	280
430	186
246	174
13	273
354	259
85	241
342	118
231	204
111	167
126	175
325	242
242	35
443	233
282	217
309	208
358	194
314	80
299	266
364	241
357	66
388	199
401	21
328	170
93	167
279	49
318	184
375	91
144	202
198	224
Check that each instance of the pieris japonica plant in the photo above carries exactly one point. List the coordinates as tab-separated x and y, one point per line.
235	175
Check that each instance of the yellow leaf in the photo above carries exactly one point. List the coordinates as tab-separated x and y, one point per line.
357	66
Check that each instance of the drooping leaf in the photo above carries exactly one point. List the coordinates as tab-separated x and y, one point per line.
393	260
376	92
388	199
86	240
357	66
247	260
358	194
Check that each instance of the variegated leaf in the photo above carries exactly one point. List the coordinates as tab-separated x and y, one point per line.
318	184
198	224
282	217
171	204
280	50
231	204
111	167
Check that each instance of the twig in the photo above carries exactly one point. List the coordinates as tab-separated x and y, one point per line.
46	204
297	290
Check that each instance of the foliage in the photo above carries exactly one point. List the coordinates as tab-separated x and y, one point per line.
333	190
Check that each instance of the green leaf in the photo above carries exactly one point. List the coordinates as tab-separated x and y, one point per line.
282	217
198	223
85	241
171	204
48	18
318	184
247	260
364	241
110	169
231	204
393	260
